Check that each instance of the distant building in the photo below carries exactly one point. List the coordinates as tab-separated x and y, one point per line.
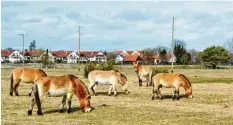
11	56
129	59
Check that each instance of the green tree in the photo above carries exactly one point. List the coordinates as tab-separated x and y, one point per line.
45	59
163	56
179	51
214	55
32	45
148	53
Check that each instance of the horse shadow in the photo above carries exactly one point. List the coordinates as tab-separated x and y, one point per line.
106	93
170	96
74	109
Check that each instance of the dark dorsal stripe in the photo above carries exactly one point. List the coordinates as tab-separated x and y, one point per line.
43	72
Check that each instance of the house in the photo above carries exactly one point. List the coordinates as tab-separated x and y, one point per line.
122	53
157	59
5	55
11	56
93	56
33	55
129	59
62	56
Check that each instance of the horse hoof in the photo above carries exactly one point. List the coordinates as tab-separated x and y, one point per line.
61	111
39	113
17	94
29	94
11	94
69	111
152	97
109	94
29	112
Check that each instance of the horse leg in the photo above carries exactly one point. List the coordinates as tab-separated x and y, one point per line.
16	88
110	90
69	98
114	89
139	80
177	94
174	95
147	80
91	86
30	93
32	103
63	103
159	93
153	93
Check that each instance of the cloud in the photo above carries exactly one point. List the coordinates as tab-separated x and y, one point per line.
33	20
12	4
121	25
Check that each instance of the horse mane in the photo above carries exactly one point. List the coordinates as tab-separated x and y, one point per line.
186	79
43	72
82	83
123	76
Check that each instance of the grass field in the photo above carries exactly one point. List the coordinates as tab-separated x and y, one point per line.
212	103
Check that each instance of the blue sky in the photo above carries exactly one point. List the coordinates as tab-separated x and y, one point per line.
115	25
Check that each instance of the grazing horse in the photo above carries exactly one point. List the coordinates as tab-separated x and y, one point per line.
111	77
56	86
170	80
27	75
143	71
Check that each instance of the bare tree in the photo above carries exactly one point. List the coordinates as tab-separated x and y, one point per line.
229	45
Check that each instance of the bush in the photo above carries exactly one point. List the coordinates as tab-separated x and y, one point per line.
159	70
92	66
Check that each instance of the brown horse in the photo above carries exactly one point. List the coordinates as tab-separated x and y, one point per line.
27	75
143	71
56	86
171	80
111	78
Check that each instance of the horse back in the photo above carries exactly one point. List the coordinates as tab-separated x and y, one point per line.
167	79
102	76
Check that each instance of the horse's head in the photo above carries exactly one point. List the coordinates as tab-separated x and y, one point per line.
82	94
188	92
85	104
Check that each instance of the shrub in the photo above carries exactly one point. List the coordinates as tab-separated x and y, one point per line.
159	70
92	66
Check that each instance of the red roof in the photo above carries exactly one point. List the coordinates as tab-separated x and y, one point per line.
6	52
169	56
36	53
132	58
61	53
89	53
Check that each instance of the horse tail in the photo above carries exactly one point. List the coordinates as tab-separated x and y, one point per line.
36	95
11	85
150	77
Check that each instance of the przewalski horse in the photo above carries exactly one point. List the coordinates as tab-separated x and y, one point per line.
111	77
143	71
27	75
56	86
171	80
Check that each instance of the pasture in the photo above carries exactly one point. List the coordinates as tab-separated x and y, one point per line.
212	102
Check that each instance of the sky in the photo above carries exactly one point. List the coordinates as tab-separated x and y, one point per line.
115	25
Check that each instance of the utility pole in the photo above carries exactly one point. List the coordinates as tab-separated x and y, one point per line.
22	34
172	43
79	48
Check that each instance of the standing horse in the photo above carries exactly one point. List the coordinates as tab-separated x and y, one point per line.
111	77
143	71
27	75
170	80
55	86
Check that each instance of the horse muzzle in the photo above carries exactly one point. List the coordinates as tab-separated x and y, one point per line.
88	110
